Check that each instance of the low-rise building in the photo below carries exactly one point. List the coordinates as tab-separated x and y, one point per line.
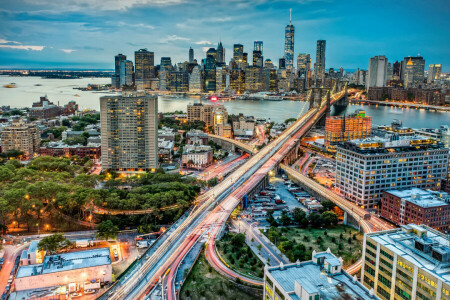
165	149
32	255
410	262
197	156
417	206
71	269
196	137
320	278
44	109
21	136
58	149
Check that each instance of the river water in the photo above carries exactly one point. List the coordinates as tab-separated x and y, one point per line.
62	91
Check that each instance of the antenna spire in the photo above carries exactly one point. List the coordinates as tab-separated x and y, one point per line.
290	15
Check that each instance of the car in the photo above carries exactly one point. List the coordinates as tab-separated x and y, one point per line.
116	254
90	291
74	295
8	286
11	278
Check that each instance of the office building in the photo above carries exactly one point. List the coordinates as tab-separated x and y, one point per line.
144	64
270	78
237	81
165	69
220	54
257	59
195	80
21	136
303	64
434	72
322	277
417	206
344	128
210	71
268	64
129	130
319	67
126	73
72	270
179	81
365	168
289	33
258	46
282	63
377	71
413	71
191	55
118	59
221	125
238	55
220	79
410	262
253	79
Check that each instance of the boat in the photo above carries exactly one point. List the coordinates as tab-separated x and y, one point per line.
38	84
76	95
10	86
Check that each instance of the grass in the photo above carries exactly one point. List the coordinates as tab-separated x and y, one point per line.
349	247
243	260
205	282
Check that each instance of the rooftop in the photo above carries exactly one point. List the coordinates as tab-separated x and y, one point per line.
67	262
423	198
406	241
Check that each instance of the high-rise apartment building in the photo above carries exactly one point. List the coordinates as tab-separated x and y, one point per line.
413	71
289	33
417	206
201	112
258	46
319	67
434	72
126	73
303	64
365	168
191	55
344	128
410	262
129	130
377	71
21	136
118	59
195	80
144	65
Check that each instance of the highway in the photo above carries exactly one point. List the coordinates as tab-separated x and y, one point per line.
222	169
209	216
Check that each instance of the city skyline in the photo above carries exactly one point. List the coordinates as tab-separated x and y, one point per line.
41	35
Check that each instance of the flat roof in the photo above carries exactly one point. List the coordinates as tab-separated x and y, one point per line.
66	262
422	198
33	246
313	280
403	244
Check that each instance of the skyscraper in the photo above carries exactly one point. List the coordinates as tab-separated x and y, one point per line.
144	64
303	64
282	63
126	73
238	54
257	59
191	55
413	70
164	73
212	52
210	73
220	54
289	43
195	80
116	77
258	46
320	59
377	71
434	72
129	130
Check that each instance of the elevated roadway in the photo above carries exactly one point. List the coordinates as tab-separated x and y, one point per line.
243	146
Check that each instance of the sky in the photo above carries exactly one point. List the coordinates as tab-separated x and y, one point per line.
86	34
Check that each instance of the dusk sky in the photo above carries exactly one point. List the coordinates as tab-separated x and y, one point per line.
87	34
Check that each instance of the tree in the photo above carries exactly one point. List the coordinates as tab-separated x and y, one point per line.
270	219
238	240
327	205
65	123
290	120
54	243
107	230
299	217
314	219
329	218
285	219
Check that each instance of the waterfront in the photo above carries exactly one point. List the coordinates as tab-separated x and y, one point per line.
61	90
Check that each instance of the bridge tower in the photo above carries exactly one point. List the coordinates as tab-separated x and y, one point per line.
340	105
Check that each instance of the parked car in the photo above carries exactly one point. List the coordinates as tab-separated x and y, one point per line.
11	278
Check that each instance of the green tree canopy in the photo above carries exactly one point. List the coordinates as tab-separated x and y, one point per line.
54	243
107	230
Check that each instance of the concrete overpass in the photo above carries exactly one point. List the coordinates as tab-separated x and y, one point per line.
232	144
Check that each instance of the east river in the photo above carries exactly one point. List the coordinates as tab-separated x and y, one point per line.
29	89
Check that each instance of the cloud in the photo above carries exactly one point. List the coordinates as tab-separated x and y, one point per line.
203	43
205	49
68	51
171	38
3	41
23	47
107	5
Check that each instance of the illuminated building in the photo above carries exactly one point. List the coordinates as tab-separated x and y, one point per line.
210	72
258	46
237	81
282	63
21	136
197	156
195	80
164	73
220	54
413	71
365	168
253	79
144	64
191	55
220	79
303	64
118	59
340	129
434	72
268	64
377	71
418	206
221	125
238	54
257	59
203	112
322	277
244	60
410	262
129	130
179	81
212	52
126	73
319	66
289	32
270	78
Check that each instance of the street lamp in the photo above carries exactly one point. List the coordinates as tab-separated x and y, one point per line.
37	224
